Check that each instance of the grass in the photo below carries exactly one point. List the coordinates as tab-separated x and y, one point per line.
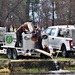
33	70
72	68
3	56
5	70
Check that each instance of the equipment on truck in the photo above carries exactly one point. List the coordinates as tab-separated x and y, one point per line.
26	48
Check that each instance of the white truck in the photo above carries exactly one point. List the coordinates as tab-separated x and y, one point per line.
61	37
2	38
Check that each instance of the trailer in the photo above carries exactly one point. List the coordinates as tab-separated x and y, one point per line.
13	52
27	46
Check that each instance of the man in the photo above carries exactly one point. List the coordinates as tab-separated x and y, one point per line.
37	35
23	28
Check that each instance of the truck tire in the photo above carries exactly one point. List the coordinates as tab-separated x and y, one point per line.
64	52
14	54
9	53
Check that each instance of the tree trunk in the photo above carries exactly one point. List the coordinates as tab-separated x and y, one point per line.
27	11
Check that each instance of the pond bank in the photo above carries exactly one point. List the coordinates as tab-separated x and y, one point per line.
35	65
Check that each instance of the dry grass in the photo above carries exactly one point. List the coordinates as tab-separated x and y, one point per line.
5	70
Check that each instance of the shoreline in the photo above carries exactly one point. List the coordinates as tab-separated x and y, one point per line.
34	65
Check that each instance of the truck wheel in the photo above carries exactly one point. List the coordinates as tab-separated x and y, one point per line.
9	53
64	52
14	54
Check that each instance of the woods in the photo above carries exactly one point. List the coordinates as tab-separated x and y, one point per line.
45	12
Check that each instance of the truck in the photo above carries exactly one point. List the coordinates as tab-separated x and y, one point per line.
61	38
2	38
27	47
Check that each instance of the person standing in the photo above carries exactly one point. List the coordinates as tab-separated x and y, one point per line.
37	35
11	28
23	28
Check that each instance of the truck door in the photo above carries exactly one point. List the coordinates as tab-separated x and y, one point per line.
52	37
56	38
48	31
51	34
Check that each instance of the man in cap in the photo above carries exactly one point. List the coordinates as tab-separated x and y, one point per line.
37	35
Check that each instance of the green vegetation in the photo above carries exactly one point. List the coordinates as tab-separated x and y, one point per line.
2	56
72	68
32	70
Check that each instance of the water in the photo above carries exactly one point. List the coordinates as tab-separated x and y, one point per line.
55	62
43	74
37	74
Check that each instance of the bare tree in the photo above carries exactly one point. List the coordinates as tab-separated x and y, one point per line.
18	10
61	12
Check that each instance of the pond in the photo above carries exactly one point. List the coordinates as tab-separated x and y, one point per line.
36	74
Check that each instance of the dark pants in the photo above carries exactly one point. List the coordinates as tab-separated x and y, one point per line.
18	39
38	44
